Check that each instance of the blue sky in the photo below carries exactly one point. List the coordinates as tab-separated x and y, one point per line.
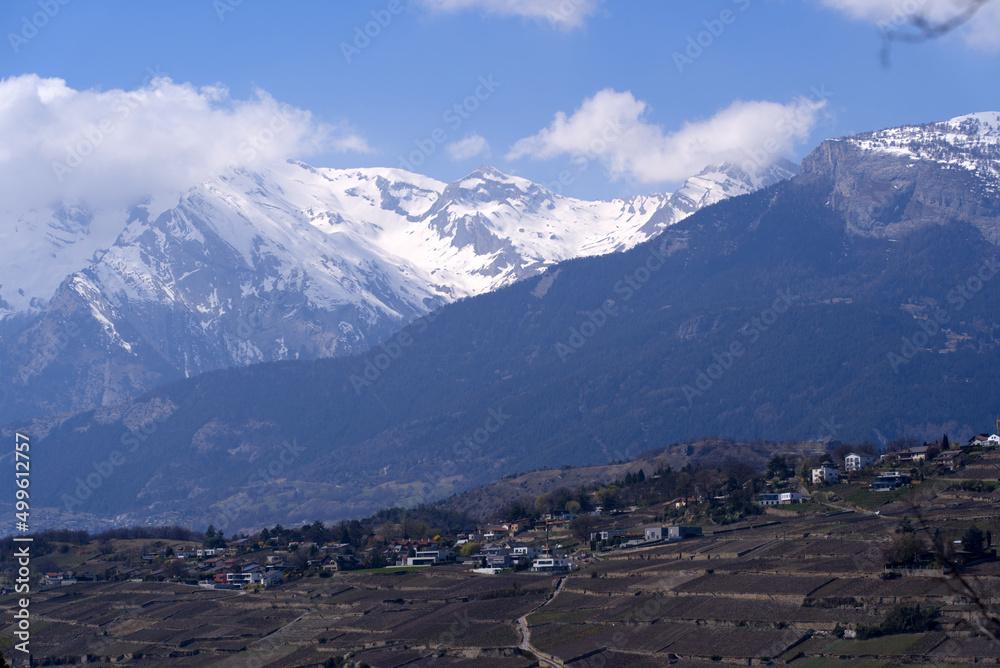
381	102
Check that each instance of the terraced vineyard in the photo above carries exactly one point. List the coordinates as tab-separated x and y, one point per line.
783	589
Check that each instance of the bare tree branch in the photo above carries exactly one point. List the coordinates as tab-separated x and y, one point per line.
918	28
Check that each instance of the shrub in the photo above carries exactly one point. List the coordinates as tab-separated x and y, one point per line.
900	619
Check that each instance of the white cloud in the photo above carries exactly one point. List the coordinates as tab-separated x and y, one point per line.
561	14
981	31
468	147
110	148
611	128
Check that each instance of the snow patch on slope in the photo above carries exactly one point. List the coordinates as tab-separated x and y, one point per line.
970	142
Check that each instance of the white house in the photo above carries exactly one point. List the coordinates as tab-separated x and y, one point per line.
542	564
519	550
673	533
654	533
429	557
210	552
993	441
825	474
778	498
610	533
858	461
247	577
256	577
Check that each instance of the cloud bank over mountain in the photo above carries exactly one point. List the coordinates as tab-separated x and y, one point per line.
110	148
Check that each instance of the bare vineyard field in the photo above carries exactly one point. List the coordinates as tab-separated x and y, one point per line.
782	591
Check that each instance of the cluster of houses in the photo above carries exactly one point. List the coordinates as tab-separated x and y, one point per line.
246	569
949	460
856	462
493	558
650	534
61	579
985	441
499	550
234	566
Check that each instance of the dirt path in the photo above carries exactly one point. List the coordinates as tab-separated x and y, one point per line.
522	622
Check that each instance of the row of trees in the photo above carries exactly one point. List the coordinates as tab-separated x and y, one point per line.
53	540
384	526
911	543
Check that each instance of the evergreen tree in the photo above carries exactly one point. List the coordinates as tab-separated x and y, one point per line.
777	467
973	540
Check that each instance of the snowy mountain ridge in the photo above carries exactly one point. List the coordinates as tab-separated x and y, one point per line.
970	142
294	262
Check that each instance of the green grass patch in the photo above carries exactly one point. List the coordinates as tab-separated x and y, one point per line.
974	485
869	500
808	507
886	645
823	662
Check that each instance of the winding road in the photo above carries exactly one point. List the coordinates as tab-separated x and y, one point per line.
522	622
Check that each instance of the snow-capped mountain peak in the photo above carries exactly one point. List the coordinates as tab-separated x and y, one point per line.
294	261
970	142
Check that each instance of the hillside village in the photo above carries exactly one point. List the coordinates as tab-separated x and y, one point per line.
555	534
714	537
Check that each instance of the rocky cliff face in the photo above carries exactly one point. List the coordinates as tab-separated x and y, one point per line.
888	182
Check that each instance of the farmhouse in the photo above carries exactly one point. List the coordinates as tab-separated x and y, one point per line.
858	461
952	459
497	531
915	454
57	579
341	562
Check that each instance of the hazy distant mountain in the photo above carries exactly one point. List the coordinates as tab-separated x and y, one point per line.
287	263
855	301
